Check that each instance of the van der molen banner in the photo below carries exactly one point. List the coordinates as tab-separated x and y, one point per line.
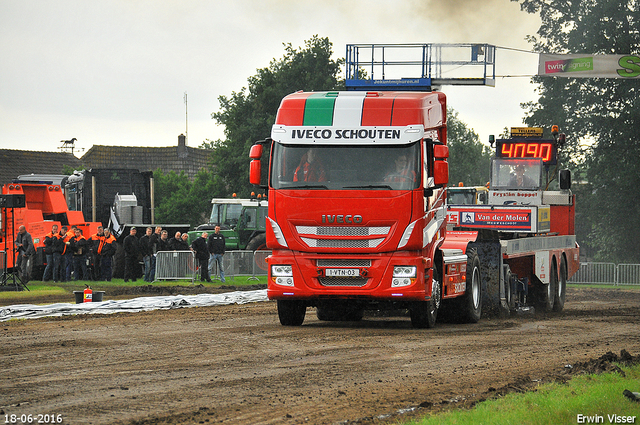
589	66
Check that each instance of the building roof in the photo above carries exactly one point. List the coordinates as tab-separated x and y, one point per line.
14	163
173	158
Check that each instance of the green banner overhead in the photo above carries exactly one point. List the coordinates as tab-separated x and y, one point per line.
589	66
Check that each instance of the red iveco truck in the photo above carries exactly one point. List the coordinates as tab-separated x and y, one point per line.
357	208
524	236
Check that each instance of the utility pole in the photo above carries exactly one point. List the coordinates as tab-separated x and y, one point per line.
186	117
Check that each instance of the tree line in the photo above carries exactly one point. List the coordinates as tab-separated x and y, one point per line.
599	116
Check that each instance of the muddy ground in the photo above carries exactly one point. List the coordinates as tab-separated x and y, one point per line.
237	365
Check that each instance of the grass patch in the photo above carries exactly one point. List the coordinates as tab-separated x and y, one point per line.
597	396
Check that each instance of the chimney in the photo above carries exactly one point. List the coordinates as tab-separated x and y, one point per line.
182	146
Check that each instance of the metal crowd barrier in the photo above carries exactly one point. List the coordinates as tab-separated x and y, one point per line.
628	274
175	265
243	263
607	274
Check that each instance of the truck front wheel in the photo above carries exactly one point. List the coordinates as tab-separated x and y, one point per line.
424	313
291	312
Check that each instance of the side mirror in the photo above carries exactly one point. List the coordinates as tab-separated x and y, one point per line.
255	172
440	173
440	151
259	166
255	152
565	179
440	165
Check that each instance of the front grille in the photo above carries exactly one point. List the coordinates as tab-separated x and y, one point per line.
343	263
342	243
342	231
342	281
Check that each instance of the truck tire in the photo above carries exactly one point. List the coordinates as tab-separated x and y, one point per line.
424	313
561	291
508	288
471	302
546	293
291	312
258	243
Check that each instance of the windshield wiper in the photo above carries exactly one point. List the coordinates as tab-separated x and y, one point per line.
310	186
371	186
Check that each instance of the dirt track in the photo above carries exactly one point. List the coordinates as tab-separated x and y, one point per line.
237	365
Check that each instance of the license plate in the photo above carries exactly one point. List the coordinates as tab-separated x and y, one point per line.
342	272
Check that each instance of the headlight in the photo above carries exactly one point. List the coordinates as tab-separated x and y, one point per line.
282	274
403	276
281	270
404	271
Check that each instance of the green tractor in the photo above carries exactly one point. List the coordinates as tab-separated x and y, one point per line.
241	221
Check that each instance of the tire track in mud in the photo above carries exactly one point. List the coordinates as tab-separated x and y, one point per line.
236	364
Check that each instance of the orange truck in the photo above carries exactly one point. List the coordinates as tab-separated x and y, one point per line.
37	205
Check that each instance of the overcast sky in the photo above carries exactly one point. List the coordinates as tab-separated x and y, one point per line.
114	72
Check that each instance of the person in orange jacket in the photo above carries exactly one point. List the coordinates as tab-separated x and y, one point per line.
80	246
68	254
94	242
106	251
53	260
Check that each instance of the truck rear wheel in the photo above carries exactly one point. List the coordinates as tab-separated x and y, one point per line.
561	291
472	299
291	312
546	294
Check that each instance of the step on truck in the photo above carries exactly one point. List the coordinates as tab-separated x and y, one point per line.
357	207
524	237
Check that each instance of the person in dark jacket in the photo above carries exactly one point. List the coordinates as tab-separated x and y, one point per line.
147	253
216	245
175	242
163	242
61	247
183	244
79	245
131	252
106	251
50	240
24	250
199	246
154	242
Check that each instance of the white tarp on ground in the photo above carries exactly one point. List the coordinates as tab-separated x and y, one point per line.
30	311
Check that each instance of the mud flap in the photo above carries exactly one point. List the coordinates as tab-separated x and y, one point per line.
494	301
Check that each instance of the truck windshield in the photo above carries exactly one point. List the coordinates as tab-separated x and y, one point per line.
225	215
380	167
516	174
461	196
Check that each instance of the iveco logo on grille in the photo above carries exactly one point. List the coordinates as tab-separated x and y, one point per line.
340	218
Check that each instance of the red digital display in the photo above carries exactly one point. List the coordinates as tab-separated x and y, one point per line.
543	149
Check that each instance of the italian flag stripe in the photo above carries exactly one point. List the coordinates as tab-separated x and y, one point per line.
318	109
